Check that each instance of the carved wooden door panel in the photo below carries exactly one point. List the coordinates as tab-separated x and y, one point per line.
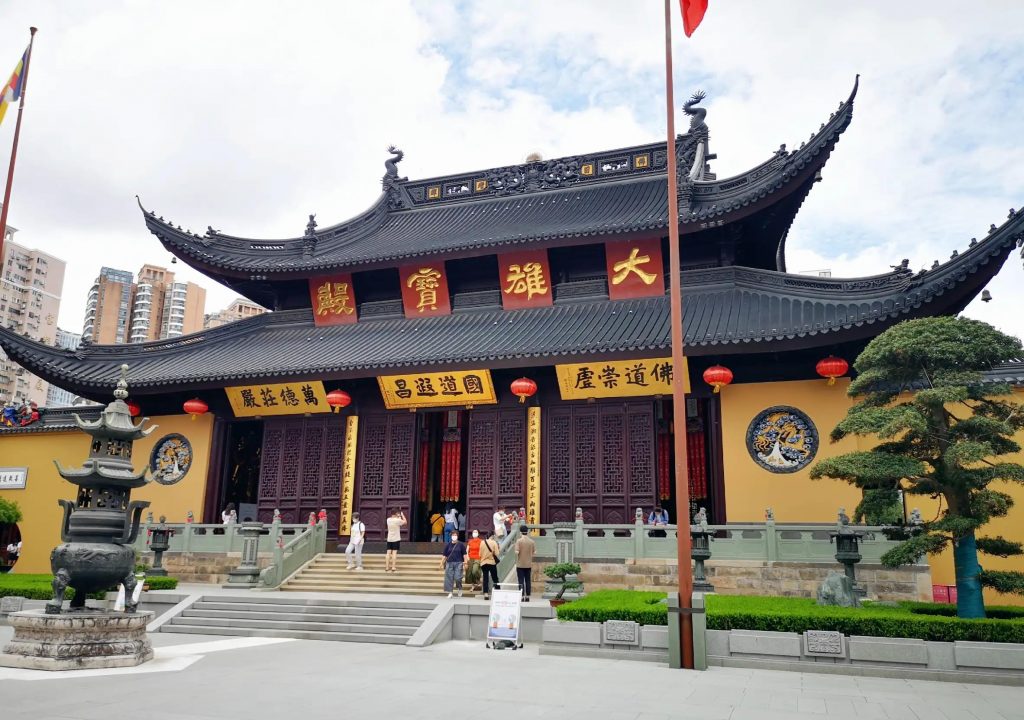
598	457
496	464
384	475
300	468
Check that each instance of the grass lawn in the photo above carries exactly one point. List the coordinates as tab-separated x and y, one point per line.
926	621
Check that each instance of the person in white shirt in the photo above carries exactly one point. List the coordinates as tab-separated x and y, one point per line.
354	549
13	551
394	540
451	520
499	523
230	515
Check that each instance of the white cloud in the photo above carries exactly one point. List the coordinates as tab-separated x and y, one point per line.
249	115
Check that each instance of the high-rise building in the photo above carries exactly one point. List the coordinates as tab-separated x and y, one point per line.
58	397
124	309
31	283
240	309
108	307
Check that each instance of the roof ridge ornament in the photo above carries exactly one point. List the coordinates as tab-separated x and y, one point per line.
310	238
391	166
697	114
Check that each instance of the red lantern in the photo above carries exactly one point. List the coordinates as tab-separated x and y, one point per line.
133	408
831	368
338	399
196	407
718	377
524	388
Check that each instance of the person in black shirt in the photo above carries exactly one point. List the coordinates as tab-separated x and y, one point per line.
454	559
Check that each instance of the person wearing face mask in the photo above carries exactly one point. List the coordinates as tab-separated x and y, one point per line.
454	560
473	573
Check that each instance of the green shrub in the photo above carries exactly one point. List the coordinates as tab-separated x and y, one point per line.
641	607
10	513
38	587
906	620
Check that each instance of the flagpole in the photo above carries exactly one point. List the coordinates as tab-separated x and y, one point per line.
14	148
683	549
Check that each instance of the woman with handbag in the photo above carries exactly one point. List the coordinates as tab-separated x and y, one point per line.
489	550
452	561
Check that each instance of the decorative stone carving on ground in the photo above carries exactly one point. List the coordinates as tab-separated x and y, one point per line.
96	554
837	589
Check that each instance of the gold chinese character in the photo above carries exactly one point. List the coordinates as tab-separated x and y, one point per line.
425	282
631	265
333	298
527	278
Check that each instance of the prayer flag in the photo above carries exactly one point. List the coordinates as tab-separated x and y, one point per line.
693	13
11	91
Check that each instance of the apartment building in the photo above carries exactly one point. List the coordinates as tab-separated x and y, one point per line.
240	309
31	283
59	397
150	306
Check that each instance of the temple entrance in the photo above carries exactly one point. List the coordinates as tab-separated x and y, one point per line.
440	469
703	448
240	484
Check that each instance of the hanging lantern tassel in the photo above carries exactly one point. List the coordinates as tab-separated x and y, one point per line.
832	368
524	388
718	376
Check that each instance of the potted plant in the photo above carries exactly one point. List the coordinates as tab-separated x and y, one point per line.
563	577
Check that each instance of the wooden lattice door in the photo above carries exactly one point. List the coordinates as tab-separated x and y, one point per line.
599	457
496	464
384	476
300	468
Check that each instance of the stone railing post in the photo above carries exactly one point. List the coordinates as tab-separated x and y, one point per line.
771	540
580	534
248	571
639	536
565	541
186	537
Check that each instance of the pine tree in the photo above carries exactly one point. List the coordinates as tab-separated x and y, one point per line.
942	432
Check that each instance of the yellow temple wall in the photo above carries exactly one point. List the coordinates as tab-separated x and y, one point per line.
40	524
794	497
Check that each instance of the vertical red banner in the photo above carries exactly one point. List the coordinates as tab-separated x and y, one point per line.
333	299
424	290
525	279
634	269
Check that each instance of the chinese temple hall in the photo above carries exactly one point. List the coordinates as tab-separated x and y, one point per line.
501	337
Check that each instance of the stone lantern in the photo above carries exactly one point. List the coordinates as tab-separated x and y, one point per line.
847	542
700	551
159	542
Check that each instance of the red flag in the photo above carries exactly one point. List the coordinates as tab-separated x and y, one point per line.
693	13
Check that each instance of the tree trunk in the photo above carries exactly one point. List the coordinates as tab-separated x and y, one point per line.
969	601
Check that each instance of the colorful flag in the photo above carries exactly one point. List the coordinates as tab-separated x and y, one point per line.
11	91
693	13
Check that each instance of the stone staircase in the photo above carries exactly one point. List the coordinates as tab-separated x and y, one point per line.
388	622
417	575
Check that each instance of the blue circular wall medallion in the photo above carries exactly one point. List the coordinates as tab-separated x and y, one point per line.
171	459
782	439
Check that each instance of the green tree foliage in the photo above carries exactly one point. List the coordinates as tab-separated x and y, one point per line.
942	433
9	512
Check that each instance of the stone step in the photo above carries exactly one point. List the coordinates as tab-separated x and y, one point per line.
409	622
369	578
302	625
276	610
275	599
295	634
298	586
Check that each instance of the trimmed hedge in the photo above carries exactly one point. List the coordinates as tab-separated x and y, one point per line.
923	621
38	587
645	608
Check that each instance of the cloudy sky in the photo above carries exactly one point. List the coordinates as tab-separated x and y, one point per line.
249	115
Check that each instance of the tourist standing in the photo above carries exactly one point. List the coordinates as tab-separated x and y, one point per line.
454	558
499	522
525	548
436	526
451	520
354	549
230	515
489	550
659	519
473	560
460	521
394	540
13	552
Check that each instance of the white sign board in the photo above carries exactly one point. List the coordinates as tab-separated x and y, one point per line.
503	622
13	478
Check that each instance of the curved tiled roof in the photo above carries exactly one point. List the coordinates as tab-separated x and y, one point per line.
631	200
728	310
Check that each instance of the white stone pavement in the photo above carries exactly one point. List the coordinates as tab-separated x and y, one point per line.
198	678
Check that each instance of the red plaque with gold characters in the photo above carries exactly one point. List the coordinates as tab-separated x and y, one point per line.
634	269
334	300
424	290
525	279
